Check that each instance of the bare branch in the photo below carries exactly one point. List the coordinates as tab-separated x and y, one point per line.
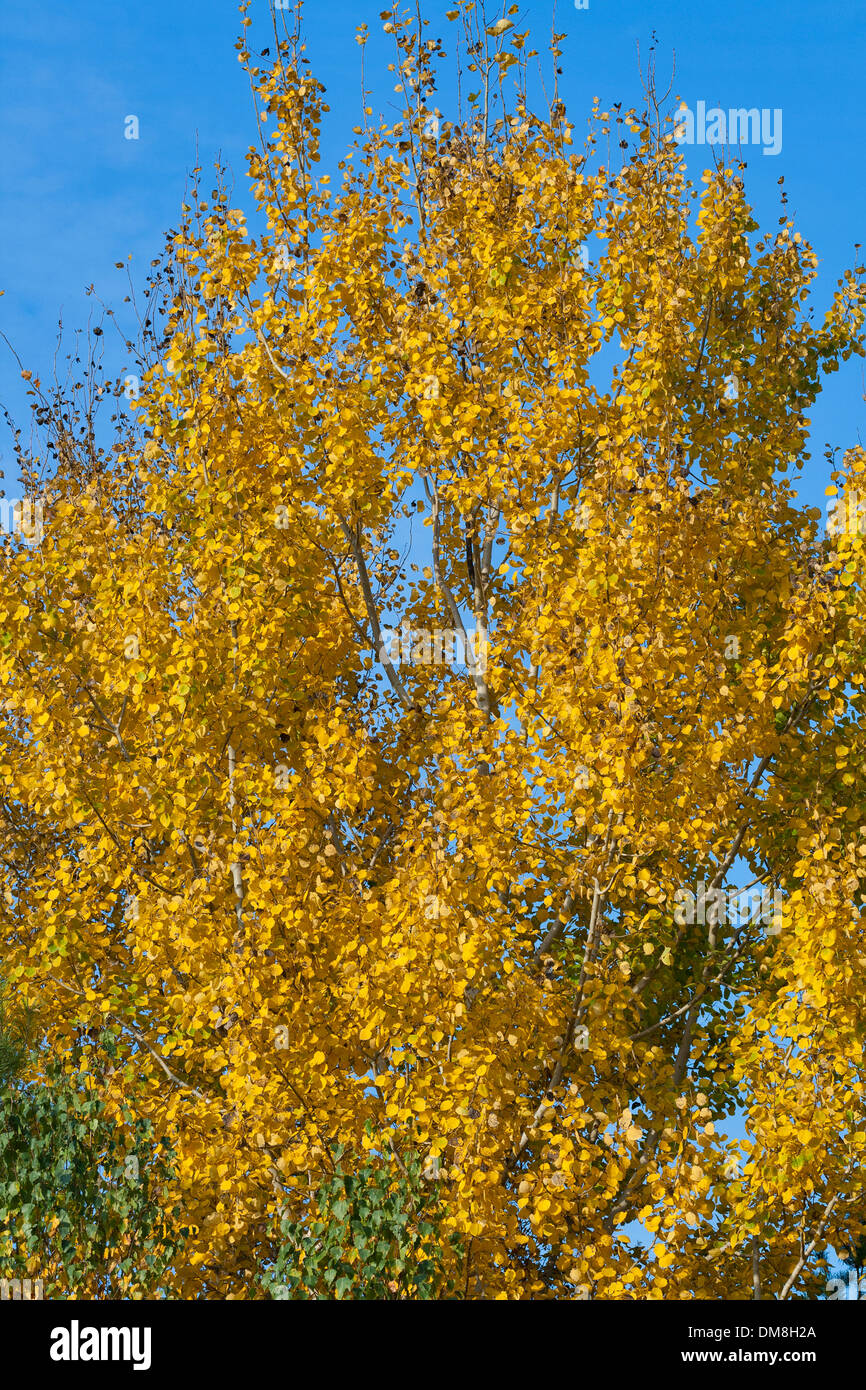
354	539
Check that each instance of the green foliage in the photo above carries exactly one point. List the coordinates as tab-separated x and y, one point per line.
375	1233
16	1028
82	1191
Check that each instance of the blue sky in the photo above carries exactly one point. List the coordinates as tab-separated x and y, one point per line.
78	196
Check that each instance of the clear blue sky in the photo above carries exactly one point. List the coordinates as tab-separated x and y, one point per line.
77	196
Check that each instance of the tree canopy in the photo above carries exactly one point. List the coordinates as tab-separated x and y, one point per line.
335	894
